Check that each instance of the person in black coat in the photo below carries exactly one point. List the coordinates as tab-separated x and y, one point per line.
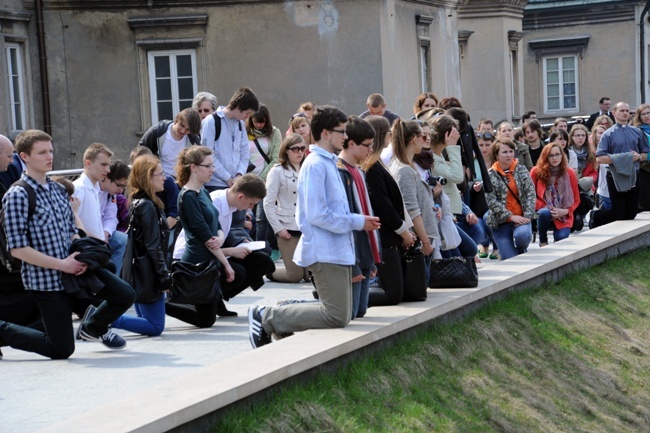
388	205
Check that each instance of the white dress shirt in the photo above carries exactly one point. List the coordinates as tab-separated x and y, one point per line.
89	212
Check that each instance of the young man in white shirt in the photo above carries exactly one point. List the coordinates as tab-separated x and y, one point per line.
228	139
326	246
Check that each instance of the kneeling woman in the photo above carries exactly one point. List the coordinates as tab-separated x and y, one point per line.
151	235
512	202
557	193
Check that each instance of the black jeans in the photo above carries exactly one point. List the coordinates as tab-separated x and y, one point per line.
392	279
199	315
249	272
625	205
263	231
57	342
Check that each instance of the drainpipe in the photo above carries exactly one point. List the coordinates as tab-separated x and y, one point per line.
42	62
642	48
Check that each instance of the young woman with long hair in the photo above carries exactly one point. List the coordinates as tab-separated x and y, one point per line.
203	235
556	187
425	101
561	137
587	172
388	204
280	206
151	238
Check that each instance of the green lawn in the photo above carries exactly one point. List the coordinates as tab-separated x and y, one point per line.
566	357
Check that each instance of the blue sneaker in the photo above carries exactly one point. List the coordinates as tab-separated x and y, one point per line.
111	340
256	333
275	255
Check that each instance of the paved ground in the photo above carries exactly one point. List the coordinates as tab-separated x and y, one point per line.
36	392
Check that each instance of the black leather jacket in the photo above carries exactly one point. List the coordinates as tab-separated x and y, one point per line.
151	236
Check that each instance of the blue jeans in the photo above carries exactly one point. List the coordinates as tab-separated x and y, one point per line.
150	319
360	295
117	242
466	248
478	231
512	240
544	222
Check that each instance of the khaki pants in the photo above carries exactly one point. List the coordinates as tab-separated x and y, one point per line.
291	273
334	285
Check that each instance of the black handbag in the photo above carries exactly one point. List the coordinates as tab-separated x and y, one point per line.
453	273
139	271
195	283
415	279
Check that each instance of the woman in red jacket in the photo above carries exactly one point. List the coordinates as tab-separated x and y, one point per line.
556	187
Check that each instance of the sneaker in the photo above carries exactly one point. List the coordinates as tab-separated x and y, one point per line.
275	255
89	312
111	340
256	332
0	354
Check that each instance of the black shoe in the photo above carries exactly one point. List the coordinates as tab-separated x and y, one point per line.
0	354
89	311
256	333
578	223
315	294
222	311
591	219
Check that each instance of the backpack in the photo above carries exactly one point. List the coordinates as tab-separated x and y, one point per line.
217	126
10	263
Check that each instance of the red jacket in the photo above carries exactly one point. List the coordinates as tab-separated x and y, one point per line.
540	189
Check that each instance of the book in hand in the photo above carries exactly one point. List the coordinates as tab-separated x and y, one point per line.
253	246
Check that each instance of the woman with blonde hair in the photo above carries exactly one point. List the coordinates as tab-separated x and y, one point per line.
280	206
150	238
202	233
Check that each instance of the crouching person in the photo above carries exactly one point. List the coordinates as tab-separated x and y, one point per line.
326	246
42	242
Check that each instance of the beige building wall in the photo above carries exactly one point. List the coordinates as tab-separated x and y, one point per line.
491	63
329	52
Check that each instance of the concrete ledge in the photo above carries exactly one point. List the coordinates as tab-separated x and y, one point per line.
195	396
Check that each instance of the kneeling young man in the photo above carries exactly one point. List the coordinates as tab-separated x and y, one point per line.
326	246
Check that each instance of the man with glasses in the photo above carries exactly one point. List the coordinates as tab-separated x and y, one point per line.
111	186
326	246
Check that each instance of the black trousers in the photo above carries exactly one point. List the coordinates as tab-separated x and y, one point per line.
57	340
392	279
249	272
625	205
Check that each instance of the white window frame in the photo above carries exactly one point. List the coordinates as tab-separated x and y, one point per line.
16	95
172	54
560	58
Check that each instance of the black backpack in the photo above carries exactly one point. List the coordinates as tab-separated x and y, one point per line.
10	263
217	126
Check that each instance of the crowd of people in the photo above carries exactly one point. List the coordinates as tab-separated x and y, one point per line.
337	198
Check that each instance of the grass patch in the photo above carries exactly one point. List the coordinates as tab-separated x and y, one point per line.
571	356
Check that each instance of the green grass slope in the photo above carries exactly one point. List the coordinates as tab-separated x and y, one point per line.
566	357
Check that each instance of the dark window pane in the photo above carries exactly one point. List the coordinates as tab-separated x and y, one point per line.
16	86
14	61
19	117
164	90
183	104
185	88
569	89
162	66
165	111
184	66
569	102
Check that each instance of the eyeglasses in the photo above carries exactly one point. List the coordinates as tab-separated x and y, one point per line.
298	149
204	110
161	174
365	144
555	155
121	185
206	165
340	131
485	135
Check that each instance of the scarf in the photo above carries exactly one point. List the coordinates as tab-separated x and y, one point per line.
559	192
256	133
582	159
424	159
645	128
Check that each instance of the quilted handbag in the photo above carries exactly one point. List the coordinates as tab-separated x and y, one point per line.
455	272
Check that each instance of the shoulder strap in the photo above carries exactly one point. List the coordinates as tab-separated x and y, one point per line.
264	155
217	126
31	197
509	189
